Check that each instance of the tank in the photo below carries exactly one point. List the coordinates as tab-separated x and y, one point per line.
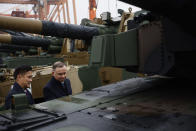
16	48
134	49
156	43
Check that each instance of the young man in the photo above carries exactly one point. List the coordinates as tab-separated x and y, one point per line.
59	85
23	79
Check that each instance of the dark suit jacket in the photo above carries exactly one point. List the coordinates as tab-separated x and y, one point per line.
54	89
17	89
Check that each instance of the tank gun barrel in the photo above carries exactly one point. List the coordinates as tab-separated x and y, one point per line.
27	40
48	28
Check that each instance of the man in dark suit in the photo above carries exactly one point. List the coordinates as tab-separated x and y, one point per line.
23	78
59	85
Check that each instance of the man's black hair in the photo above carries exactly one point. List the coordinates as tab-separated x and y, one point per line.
22	70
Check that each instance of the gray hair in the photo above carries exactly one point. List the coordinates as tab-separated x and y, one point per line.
58	64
